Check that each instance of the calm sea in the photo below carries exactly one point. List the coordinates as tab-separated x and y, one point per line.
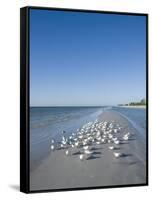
49	122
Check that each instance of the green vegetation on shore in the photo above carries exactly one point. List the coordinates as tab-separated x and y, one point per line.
140	103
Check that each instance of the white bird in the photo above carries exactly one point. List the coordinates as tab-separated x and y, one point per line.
117	142
80	136
52	141
88	152
128	134
81	157
98	134
111	147
114	139
52	147
103	140
98	142
77	144
115	130
85	147
125	137
98	138
63	142
84	143
67	152
110	136
117	155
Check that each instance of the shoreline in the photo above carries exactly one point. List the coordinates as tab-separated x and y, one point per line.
59	171
132	106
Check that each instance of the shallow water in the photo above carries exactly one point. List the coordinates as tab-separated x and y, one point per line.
136	115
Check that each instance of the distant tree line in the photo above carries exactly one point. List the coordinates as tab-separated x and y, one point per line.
140	103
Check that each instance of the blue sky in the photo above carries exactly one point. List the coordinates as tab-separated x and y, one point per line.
86	59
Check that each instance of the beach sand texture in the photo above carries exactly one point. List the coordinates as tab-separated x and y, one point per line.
59	171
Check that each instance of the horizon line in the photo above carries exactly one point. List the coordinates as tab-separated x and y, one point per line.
71	105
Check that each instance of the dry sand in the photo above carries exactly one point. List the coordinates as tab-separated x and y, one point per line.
59	171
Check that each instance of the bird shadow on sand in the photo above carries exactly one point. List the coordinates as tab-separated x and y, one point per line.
92	157
130	139
61	148
126	155
123	142
117	148
96	153
96	148
76	153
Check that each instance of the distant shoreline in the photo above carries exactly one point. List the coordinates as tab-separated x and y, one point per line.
142	106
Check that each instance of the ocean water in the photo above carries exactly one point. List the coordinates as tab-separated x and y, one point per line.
136	115
49	122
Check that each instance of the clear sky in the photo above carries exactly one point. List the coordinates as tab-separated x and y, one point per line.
86	59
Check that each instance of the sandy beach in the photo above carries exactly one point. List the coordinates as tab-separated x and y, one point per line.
59	171
133	107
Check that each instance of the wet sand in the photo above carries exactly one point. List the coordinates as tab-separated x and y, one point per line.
59	171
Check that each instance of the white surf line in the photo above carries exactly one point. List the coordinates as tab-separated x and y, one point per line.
132	123
137	127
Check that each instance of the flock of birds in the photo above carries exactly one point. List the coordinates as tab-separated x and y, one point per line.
91	134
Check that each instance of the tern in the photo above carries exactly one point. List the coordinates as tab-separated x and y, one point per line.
52	147
111	147
117	155
81	157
